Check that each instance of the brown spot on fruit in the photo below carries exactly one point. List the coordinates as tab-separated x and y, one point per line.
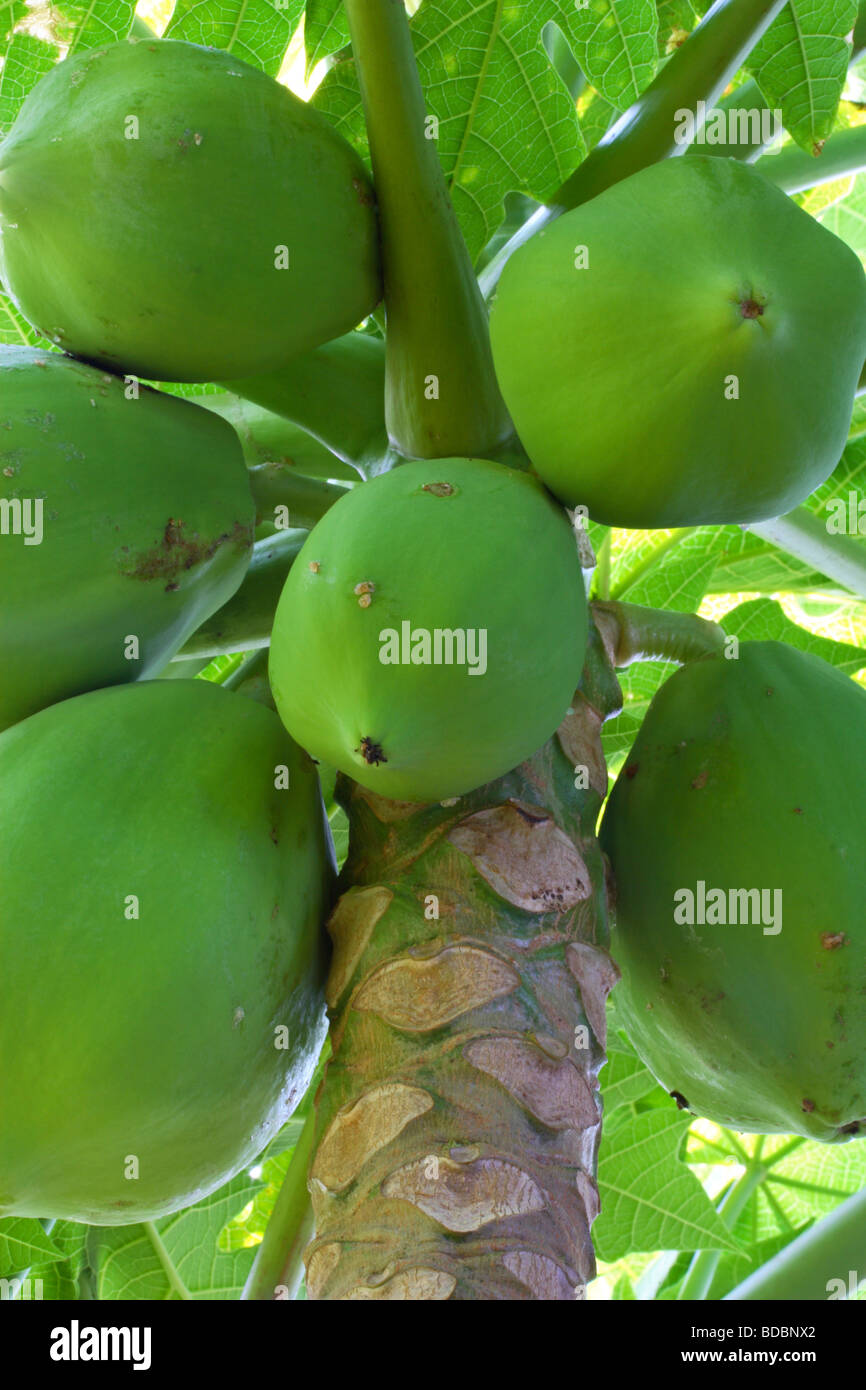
315	566
439	489
751	309
372	752
364	192
808	1105
177	552
832	940
631	770
699	781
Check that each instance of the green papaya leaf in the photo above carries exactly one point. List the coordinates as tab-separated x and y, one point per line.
650	1200
615	43
506	121
800	66
257	31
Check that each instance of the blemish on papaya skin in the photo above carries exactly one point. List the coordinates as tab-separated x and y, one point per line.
807	1105
177	553
439	489
831	940
364	192
371	752
631	770
699	781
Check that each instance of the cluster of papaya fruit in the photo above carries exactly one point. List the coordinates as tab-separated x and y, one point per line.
430	635
166	862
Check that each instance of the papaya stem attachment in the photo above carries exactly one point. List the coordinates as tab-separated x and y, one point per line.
278	1268
699	70
631	633
805	536
441	394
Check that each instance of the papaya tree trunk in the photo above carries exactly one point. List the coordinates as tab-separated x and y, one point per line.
459	1117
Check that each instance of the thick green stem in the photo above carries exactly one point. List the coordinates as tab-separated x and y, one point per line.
633	634
827	1261
805	536
245	622
793	170
459	1116
336	393
441	395
698	71
279	1265
701	1271
753	129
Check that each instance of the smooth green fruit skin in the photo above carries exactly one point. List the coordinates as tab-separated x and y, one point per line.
746	774
498	554
156	248
147	528
618	376
149	1039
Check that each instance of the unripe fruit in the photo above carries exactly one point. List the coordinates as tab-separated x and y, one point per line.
170	211
735	834
161	952
127	520
431	632
682	349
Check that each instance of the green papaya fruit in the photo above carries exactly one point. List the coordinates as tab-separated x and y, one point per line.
161	956
431	632
228	225
124	524
684	348
735	832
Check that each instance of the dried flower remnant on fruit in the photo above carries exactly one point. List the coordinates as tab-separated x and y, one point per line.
372	752
751	309
439	489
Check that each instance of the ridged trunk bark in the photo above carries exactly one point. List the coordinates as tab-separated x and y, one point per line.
459	1118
